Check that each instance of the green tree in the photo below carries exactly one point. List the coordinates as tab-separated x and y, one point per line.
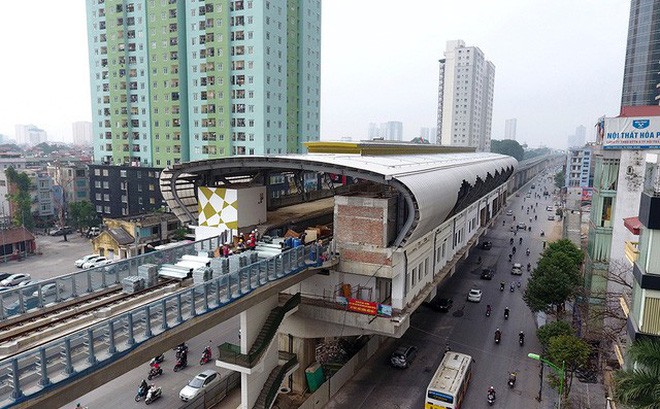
566	247
20	198
83	215
179	234
560	178
639	388
572	351
551	330
507	147
555	280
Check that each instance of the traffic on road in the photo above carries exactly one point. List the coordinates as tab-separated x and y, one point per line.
478	312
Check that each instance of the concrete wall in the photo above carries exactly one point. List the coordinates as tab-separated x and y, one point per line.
251	206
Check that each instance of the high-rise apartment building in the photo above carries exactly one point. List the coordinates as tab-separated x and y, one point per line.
392	131
465	97
640	76
182	80
30	135
510	129
579	138
82	133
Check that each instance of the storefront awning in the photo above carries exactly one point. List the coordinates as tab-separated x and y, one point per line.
633	224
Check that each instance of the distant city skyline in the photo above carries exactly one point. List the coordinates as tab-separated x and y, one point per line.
355	84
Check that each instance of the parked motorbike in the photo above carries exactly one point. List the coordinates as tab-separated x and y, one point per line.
488	311
153	394
206	356
154	372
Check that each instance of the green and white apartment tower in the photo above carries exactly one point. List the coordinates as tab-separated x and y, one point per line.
183	80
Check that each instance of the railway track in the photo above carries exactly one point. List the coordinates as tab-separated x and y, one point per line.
22	333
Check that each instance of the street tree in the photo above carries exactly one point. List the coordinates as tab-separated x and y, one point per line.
507	147
567	248
20	198
639	388
548	292
560	178
83	215
553	329
570	350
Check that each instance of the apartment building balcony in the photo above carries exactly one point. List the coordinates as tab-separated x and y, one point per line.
631	250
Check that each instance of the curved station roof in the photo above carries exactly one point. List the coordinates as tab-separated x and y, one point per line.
435	181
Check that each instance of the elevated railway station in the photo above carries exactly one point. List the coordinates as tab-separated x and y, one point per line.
393	221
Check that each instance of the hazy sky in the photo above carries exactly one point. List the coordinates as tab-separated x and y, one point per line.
559	63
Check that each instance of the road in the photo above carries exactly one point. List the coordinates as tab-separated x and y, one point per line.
120	392
467	329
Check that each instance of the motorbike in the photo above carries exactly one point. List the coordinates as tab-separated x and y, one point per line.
141	393
529	267
520	241
527	252
521	339
157	360
206	356
506	314
513	250
510	257
498	337
511	241
542	233
512	379
154	372
488	312
180	364
181	348
512	287
491	398
153	394
536	217
501	286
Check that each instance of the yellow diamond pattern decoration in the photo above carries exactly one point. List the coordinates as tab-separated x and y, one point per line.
217	207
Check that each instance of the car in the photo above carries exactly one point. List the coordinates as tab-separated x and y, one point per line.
14	279
93	232
474	295
199	384
549	208
521	226
60	231
403	356
551	217
97	262
516	269
440	304
27	283
487	245
509	212
4	275
79	263
487	274
48	289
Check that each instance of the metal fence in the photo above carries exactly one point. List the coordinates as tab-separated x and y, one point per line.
60	361
74	285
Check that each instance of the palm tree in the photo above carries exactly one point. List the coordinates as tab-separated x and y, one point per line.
639	388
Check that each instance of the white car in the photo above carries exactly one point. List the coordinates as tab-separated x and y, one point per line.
199	384
47	290
14	279
97	262
516	269
79	263
474	295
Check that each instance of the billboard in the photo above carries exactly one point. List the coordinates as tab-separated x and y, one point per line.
631	133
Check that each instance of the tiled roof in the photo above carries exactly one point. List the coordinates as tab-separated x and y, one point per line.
121	236
15	235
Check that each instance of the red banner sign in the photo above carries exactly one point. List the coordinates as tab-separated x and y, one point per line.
363	307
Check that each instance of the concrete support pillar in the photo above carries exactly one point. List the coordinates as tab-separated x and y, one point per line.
130	338
112	348
305	350
91	356
15	375
179	314
193	307
252	321
68	363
